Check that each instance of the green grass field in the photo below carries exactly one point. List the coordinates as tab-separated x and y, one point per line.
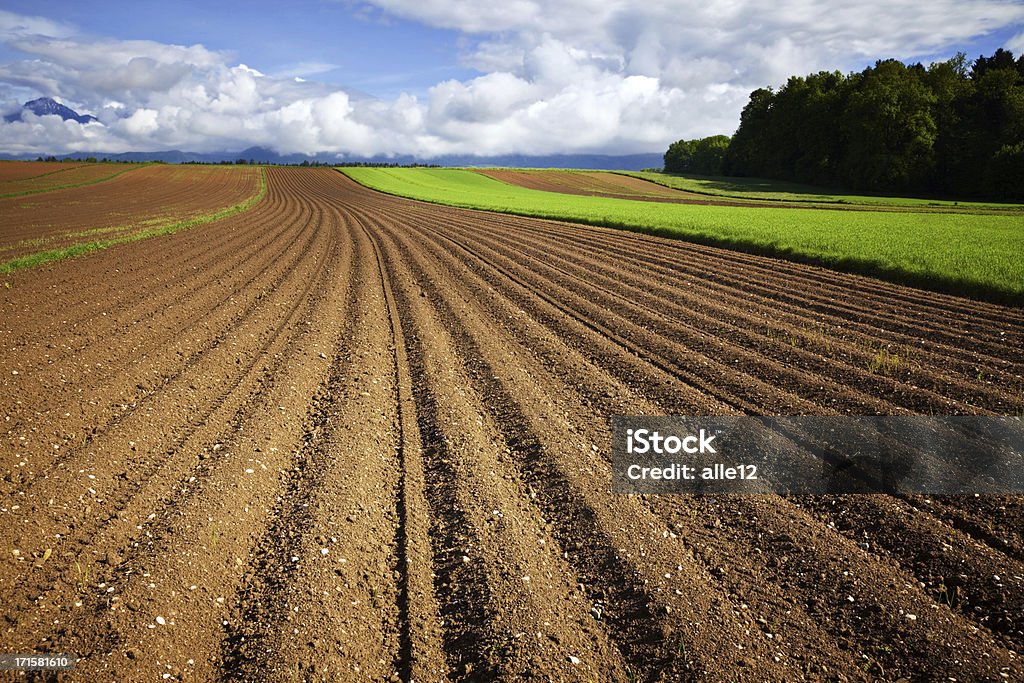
781	191
977	255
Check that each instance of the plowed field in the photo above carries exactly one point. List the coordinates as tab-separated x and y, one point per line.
23	170
347	436
34	177
143	197
602	184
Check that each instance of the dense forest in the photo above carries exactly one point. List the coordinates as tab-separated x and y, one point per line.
953	128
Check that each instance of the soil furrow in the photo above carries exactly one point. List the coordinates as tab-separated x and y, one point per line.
181	354
655	306
957	570
227	536
689	265
297	608
895	356
130	384
347	436
686	267
127	488
422	654
630	611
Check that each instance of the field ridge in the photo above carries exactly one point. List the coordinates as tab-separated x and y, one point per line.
349	436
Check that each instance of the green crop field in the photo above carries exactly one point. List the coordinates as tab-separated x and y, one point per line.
979	255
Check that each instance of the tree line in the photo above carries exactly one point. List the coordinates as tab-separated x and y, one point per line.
952	128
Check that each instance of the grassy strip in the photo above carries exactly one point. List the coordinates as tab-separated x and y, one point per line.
50	255
40	241
781	191
54	188
958	253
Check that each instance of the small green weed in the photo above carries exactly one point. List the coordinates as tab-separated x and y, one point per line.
82	573
884	362
949	596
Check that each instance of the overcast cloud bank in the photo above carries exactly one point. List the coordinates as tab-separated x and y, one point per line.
576	76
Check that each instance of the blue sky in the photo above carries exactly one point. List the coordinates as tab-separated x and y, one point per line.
336	42
431	77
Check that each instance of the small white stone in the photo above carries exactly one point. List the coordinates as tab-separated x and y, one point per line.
911	617
574	660
324	551
161	621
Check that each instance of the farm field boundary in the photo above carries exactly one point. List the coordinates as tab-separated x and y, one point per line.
752	192
168	228
956	253
781	192
77	176
11	171
589	183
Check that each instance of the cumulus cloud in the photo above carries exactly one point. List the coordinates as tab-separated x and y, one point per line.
1016	44
898	27
611	76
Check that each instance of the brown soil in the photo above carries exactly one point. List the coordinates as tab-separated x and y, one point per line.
619	186
142	198
599	183
48	177
346	436
23	170
605	184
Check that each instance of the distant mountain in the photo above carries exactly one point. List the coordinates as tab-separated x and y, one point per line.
624	162
45	106
261	155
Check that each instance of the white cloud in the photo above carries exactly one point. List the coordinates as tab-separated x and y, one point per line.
21	26
1016	45
610	76
301	69
141	123
901	28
